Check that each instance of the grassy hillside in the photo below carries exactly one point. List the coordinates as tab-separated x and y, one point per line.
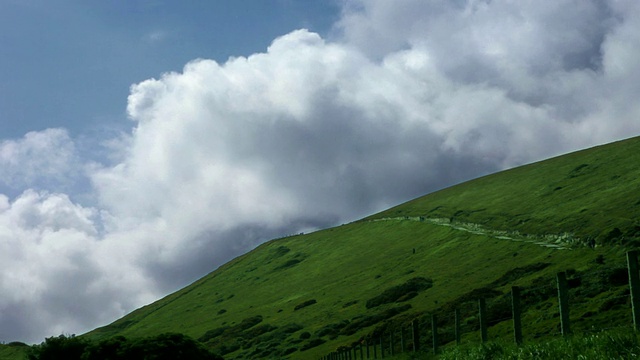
588	194
13	351
303	296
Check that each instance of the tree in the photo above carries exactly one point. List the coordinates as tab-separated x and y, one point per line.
61	347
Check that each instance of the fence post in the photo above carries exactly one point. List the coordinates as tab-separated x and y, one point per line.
516	313
375	350
434	333
367	343
391	344
563	301
482	306
381	348
634	287
415	329
457	325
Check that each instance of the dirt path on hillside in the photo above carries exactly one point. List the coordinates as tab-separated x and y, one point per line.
552	241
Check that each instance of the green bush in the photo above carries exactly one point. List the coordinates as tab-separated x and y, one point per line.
304	304
61	347
166	347
162	347
401	292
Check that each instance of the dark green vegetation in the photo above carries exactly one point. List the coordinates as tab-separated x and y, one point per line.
599	346
431	254
160	347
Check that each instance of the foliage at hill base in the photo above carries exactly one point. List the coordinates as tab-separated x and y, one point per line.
161	347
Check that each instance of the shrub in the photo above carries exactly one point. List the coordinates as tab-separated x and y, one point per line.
365	321
61	347
113	348
288	264
311	344
291	328
289	351
213	333
401	292
250	322
167	347
305	304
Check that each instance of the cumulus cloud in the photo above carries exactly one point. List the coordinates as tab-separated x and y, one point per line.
46	159
410	97
53	277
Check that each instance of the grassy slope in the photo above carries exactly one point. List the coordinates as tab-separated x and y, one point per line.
358	261
587	193
9	352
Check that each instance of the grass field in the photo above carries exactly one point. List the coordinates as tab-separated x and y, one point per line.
304	296
13	352
606	345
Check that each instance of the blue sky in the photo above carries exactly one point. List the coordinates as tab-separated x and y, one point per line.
70	63
144	145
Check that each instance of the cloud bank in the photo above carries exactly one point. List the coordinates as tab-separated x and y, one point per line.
404	99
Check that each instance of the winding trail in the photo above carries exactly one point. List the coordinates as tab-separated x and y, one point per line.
556	242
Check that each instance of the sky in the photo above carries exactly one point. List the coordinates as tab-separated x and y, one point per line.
145	143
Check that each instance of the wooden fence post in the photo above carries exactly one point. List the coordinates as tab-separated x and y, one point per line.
634	287
381	348
367	343
457	326
482	306
563	301
391	343
516	313
361	352
401	339
375	350
434	332
416	335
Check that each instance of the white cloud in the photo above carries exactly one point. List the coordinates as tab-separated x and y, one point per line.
415	96
41	158
54	276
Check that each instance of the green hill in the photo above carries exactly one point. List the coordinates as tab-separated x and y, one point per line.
305	295
13	351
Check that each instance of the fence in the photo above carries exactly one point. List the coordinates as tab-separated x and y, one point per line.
466	318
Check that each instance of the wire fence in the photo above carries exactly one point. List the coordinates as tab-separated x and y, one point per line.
573	303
